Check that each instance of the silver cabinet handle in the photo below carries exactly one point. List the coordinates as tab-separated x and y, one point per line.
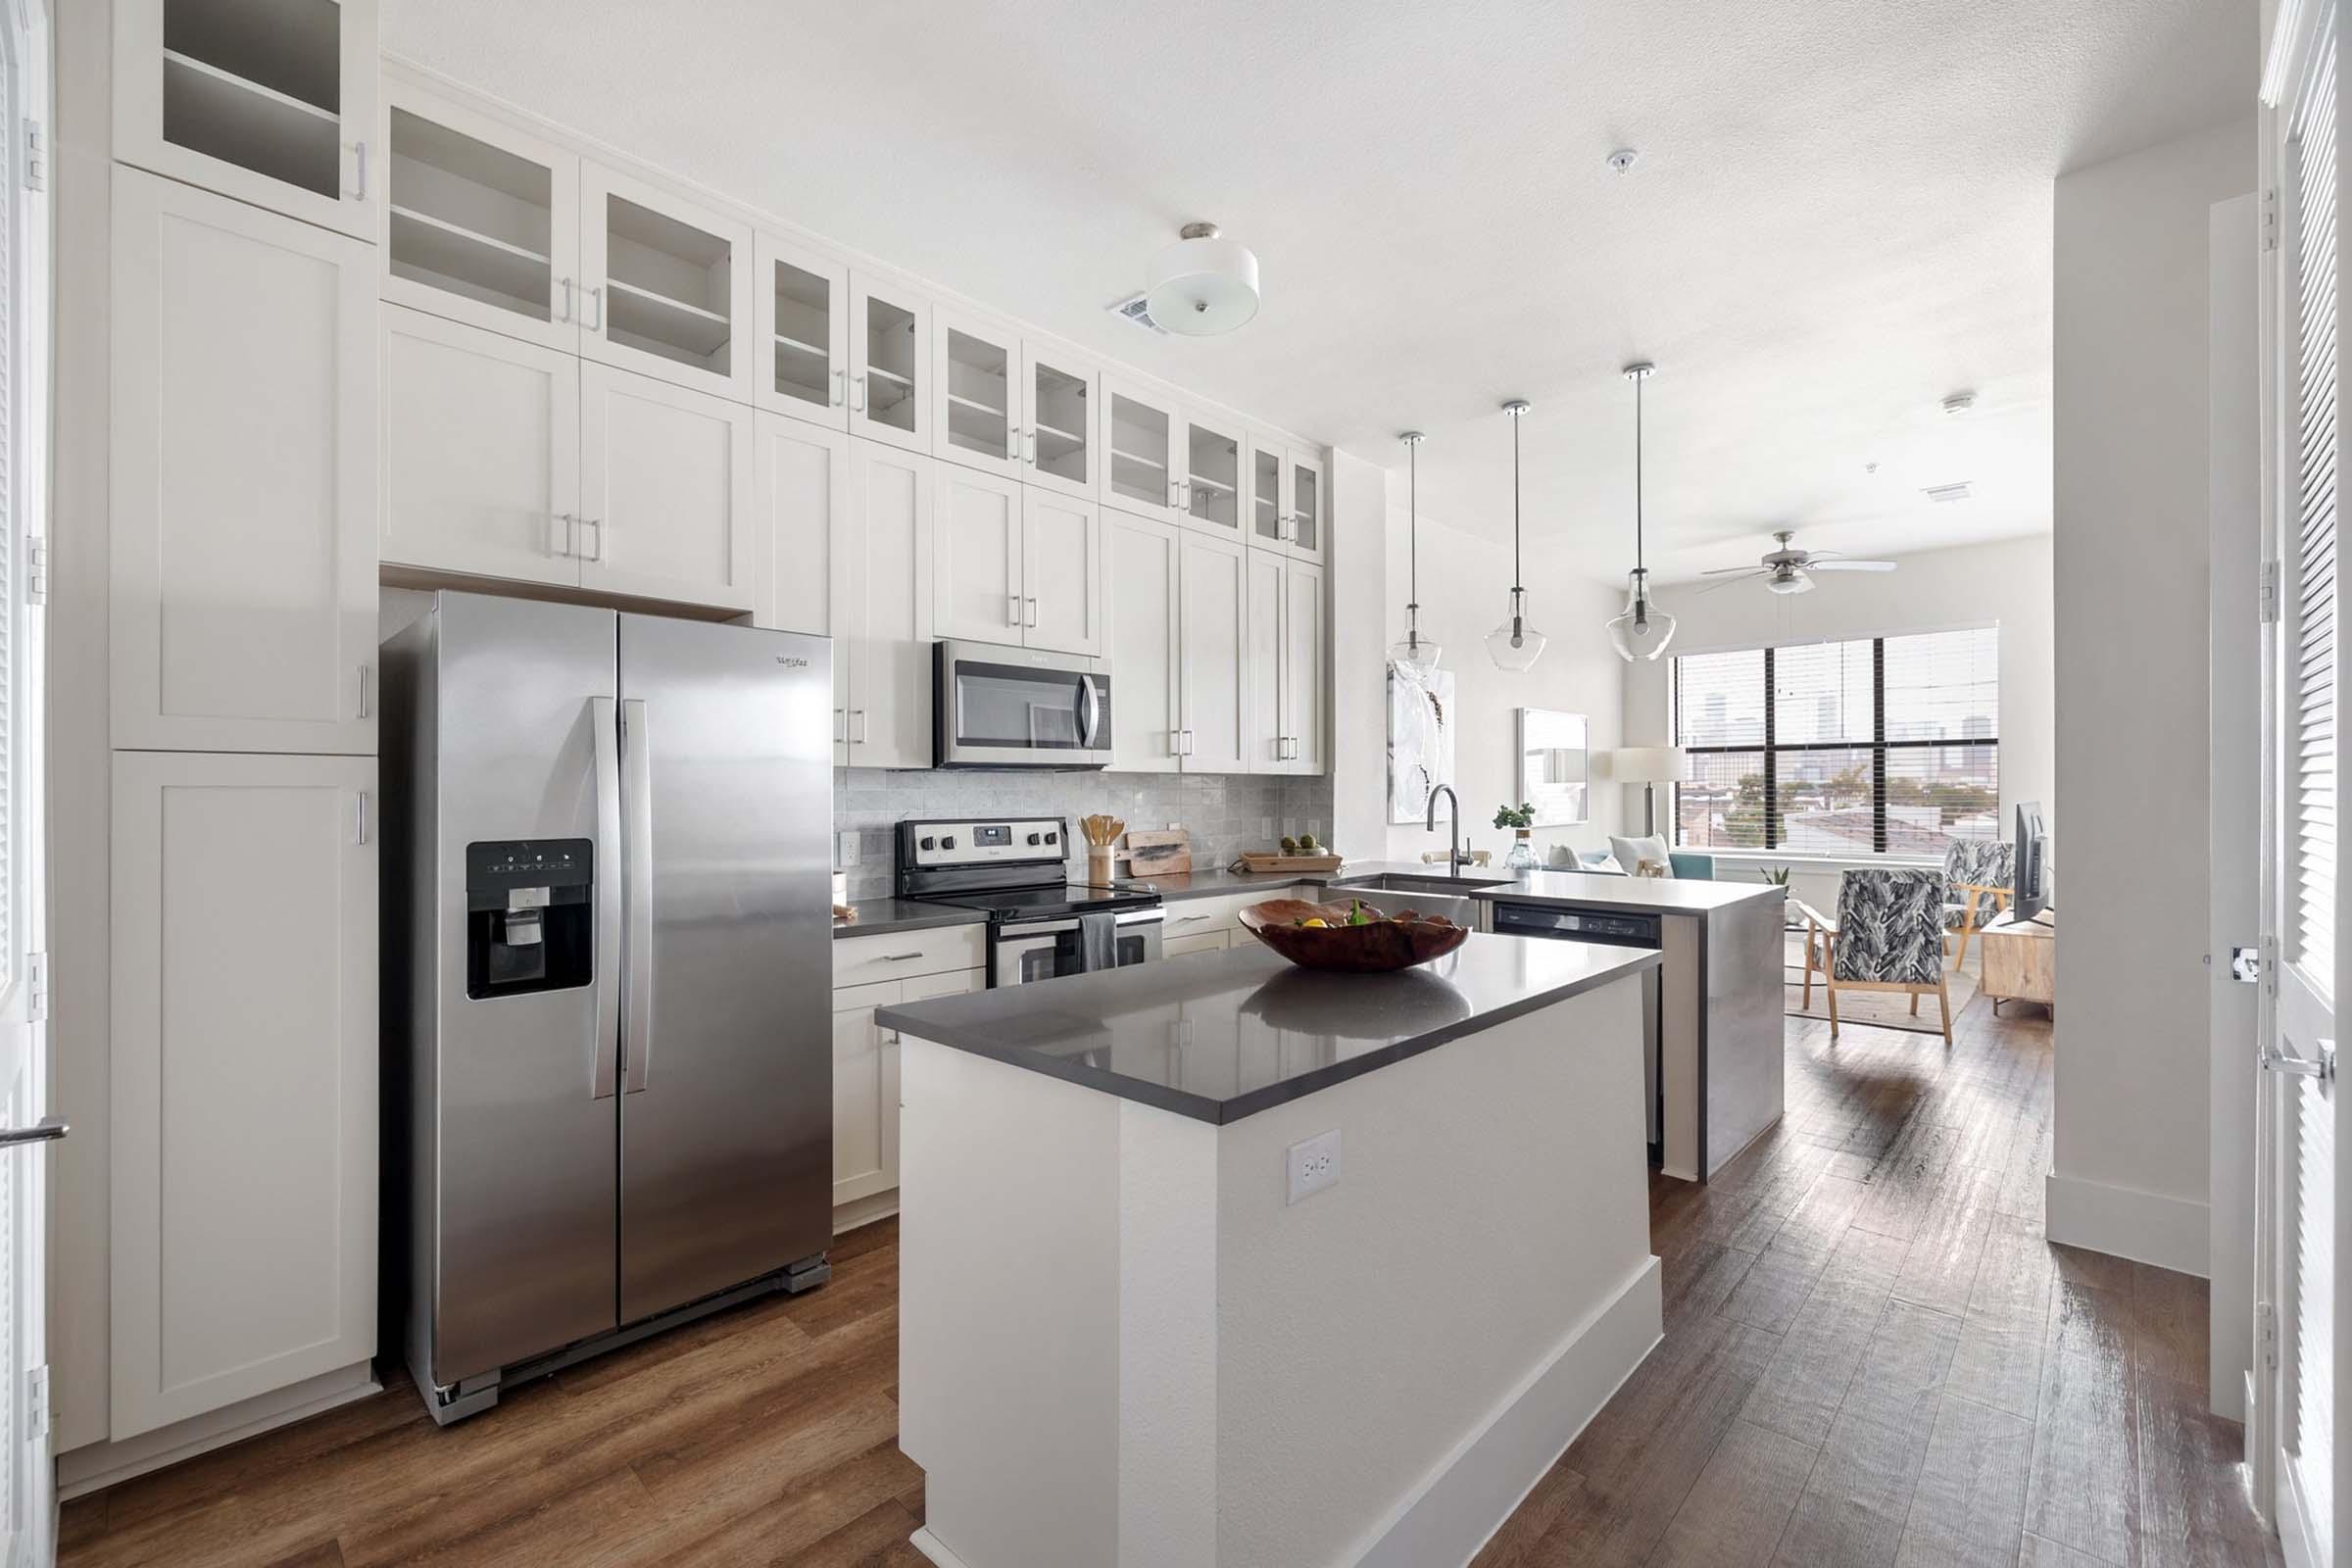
594	529
637	843
568	287
367	698
2321	1066
841	386
1188	919
48	1130
1175	743
1030	436
1032	620
562	534
1188	742
598	295
841	726
857	721
1012	609
1012	452
859	406
604	1065
360	153
898	957
359	817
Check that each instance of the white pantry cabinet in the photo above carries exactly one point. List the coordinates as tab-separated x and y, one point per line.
669	285
666	482
1140	574
243	476
802	305
976	406
865	1074
243	1056
882	579
482	452
481	222
1214	721
269	101
890	363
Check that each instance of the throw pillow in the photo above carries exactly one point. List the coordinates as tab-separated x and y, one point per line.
1632	851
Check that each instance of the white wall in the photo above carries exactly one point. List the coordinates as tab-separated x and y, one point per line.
1358	565
1465	589
2129	1142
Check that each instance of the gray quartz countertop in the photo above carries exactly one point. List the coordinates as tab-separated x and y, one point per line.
881	916
1207	884
1219	1036
1649	895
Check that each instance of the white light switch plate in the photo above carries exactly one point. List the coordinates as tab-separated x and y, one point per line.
1315	1165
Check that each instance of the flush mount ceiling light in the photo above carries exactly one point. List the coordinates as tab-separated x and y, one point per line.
1515	645
1204	284
1413	650
1642	630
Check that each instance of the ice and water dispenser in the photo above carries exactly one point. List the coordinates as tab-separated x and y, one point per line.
528	925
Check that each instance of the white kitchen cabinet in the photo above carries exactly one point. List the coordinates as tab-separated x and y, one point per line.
1305	670
482	452
269	101
977	558
244	1078
803	510
1261	660
1214	474
1059	396
866	1078
1206	941
890	363
1141	444
1214	637
882	605
243	476
1061	572
1309	498
976	408
669	285
667	491
481	222
802	305
1269	501
1142	572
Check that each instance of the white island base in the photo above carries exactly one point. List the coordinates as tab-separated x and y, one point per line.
1121	1348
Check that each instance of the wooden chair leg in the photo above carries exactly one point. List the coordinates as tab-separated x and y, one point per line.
1829	978
1914	1003
1943	1002
1808	1001
1968	924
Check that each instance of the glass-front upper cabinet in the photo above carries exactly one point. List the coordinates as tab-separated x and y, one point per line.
481	222
272	102
1310	504
976	395
1213	476
669	285
890	363
1269	507
1059	442
1141	454
804	329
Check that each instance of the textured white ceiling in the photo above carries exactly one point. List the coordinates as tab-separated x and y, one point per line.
1840	213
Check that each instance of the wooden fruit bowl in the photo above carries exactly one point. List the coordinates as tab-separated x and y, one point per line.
1386	942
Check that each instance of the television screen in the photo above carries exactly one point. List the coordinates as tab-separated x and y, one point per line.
2032	886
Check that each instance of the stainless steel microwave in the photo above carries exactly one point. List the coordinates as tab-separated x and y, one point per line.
1018	707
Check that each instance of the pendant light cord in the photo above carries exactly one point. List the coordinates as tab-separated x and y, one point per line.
1412	453
1639	565
1517	586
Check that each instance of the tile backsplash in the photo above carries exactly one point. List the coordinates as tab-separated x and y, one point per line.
1225	813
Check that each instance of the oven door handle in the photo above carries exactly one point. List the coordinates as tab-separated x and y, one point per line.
1143	917
1028	930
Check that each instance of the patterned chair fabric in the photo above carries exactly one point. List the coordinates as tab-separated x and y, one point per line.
1891	927
1975	863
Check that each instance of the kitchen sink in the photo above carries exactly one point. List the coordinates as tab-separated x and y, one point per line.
1394	892
1415	882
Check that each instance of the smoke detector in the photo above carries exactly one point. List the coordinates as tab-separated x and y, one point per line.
1202	285
1959	491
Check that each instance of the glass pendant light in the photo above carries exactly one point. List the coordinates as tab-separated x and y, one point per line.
1412	651
1644	630
1515	645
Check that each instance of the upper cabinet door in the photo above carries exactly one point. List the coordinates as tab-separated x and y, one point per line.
802	301
1214	594
269	101
804	500
1303	668
886	546
481	223
1060	444
976	558
1061	542
482	452
1139	577
890	363
243	479
976	409
1269	748
1212	452
1140	442
1269	501
670	285
667	486
1310	506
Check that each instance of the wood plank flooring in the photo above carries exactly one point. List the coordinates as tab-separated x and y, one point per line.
1870	1358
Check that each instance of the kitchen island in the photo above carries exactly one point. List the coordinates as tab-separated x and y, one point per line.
1216	1261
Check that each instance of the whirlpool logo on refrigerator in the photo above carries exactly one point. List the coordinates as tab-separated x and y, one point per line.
792	662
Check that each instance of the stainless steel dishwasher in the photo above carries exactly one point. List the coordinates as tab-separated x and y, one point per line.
1608	929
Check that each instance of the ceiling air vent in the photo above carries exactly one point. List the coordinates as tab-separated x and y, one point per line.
1949	492
1135	308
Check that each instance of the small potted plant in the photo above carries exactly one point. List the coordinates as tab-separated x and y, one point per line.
1521	819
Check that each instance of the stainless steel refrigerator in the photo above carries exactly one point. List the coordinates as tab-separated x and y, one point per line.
607	873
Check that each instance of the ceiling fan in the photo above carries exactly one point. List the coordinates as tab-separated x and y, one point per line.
1785	570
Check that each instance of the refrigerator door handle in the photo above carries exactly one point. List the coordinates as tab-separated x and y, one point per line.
637	797
603	722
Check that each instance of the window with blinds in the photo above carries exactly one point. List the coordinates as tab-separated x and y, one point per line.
1869	746
2311	934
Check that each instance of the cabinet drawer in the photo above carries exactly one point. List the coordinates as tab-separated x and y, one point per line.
904	954
1205	942
1191	917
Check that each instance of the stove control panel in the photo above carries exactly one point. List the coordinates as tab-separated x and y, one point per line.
982	841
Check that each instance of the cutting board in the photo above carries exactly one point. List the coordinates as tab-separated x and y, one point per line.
1164	853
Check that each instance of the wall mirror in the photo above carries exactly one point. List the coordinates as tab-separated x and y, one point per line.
1553	765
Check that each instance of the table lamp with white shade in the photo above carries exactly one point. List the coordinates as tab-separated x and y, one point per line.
1648	767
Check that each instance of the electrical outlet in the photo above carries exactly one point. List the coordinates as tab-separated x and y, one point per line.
1315	1165
845	849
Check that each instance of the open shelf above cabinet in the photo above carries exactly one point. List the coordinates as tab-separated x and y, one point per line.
222	115
663	326
434	251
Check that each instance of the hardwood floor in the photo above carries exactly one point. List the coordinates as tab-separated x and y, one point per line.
1870	1356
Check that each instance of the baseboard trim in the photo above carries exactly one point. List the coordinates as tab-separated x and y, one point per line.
864	1210
1476	1489
2127	1222
99	1465
929	1545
